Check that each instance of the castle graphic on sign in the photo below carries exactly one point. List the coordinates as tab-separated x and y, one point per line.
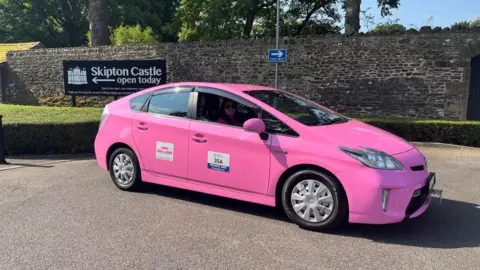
77	76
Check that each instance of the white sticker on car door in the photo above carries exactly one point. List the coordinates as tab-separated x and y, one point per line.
164	151
218	161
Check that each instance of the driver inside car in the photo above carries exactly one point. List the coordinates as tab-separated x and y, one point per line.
228	113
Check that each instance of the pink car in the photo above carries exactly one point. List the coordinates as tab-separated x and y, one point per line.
265	146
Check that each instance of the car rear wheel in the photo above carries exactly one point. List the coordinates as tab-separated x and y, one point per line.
124	169
314	200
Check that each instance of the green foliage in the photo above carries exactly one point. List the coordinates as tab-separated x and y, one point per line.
50	138
154	14
467	24
127	35
475	23
225	19
55	23
462	24
443	131
387	5
49	130
131	35
391	28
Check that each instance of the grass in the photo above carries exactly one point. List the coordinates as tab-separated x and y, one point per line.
40	114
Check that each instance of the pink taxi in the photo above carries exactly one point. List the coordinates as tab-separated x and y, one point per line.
265	146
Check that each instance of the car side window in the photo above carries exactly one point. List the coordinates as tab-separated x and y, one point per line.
274	126
221	110
136	103
173	104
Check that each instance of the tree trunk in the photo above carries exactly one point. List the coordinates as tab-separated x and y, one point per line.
98	18
352	16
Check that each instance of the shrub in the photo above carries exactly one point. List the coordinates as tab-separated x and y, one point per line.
443	131
129	35
133	35
49	138
49	130
390	28
71	138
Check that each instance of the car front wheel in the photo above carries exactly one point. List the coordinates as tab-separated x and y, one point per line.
314	200
124	169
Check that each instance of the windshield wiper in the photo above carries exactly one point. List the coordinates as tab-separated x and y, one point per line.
334	121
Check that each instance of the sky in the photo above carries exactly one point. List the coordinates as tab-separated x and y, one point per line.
416	13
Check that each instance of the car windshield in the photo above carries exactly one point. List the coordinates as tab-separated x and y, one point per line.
305	112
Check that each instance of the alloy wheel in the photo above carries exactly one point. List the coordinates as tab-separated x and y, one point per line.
123	169
312	201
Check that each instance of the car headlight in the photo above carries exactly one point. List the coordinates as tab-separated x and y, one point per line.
373	158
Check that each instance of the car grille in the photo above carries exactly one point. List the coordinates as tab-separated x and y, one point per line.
417	168
417	202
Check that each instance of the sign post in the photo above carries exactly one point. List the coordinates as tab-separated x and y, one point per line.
277	41
112	78
277	55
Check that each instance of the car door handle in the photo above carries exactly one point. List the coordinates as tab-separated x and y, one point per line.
199	138
142	127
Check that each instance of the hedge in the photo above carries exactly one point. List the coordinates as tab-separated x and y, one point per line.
466	133
49	138
71	138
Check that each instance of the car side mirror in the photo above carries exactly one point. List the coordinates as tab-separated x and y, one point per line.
254	125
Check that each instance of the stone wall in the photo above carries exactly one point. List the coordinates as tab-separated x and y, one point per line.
410	74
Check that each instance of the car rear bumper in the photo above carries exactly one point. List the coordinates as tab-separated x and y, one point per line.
101	153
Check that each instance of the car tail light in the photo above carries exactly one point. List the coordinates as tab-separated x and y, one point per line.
103	117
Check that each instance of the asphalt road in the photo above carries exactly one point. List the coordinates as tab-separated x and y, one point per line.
69	215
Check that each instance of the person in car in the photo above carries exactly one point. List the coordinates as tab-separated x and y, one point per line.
227	113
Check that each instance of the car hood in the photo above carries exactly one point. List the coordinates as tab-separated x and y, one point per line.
354	134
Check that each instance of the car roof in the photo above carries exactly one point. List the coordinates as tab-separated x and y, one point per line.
230	87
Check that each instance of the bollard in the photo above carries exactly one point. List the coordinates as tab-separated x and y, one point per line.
2	144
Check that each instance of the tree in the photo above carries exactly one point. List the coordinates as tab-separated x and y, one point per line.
352	16
225	19
154	14
98	17
352	13
55	23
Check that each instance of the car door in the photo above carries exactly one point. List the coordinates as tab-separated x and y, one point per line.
227	156
161	133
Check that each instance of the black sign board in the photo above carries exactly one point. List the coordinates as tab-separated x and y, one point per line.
112	78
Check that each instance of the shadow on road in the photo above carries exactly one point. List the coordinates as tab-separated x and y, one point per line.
214	201
451	224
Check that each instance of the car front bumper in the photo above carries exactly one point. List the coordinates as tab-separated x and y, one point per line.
383	197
